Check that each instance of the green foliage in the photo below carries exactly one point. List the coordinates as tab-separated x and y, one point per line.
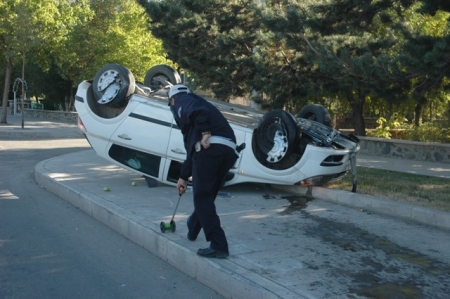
293	52
51	95
27	27
70	40
431	132
213	40
359	56
105	32
382	131
385	127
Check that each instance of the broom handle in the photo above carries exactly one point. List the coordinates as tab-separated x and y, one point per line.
174	212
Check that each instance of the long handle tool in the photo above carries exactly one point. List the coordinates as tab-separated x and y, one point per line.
172	225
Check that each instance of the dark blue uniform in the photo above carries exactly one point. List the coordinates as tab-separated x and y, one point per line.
208	167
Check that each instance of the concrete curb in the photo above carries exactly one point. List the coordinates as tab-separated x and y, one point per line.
17	133
373	204
224	276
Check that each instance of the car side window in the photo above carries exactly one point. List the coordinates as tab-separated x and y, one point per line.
143	162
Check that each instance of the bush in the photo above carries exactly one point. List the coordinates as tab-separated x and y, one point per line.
398	128
385	128
431	132
381	131
51	105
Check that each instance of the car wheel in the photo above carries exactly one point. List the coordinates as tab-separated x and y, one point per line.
276	137
317	113
161	76
113	85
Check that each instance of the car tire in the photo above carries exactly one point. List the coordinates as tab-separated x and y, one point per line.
113	84
157	75
317	113
277	135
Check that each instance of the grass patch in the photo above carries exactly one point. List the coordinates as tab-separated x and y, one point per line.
426	191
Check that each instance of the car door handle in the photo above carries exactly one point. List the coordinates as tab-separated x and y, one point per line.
124	136
178	151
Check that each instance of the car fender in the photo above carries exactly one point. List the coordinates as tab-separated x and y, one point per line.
314	156
87	109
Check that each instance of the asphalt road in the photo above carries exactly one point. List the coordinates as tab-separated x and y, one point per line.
50	249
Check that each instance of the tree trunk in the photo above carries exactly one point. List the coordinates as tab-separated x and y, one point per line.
69	100
420	107
357	104
66	103
390	110
431	111
72	97
418	111
9	67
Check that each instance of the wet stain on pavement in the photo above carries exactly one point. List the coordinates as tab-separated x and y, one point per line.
391	291
390	271
412	257
367	261
297	203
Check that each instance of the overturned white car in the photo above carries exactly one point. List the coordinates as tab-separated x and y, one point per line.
130	124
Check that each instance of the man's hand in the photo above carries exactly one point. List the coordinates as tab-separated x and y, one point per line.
181	186
205	140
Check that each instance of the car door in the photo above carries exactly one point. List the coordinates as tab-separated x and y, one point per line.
176	154
141	141
175	149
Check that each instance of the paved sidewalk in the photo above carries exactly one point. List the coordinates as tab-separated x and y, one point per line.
37	128
272	253
434	169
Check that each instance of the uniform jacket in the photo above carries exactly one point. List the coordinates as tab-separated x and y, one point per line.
194	115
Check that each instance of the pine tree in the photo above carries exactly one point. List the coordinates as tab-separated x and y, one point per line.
425	55
212	39
296	51
333	49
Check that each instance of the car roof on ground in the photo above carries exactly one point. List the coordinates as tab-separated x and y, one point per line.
244	116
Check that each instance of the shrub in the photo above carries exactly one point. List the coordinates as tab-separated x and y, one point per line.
431	132
385	128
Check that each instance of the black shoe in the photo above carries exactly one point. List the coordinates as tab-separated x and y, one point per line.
209	252
190	237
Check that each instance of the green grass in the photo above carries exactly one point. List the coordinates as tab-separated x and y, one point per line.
415	189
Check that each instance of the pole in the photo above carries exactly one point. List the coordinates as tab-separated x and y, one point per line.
15	103
23	90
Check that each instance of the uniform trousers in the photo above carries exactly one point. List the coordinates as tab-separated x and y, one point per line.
209	168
